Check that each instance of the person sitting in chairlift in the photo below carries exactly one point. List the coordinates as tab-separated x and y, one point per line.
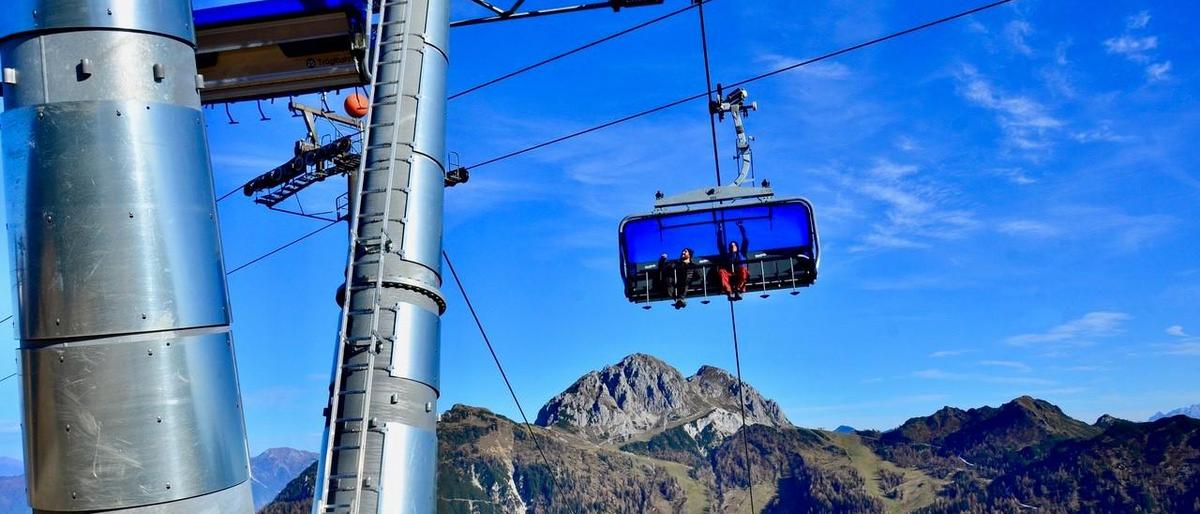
677	275
734	271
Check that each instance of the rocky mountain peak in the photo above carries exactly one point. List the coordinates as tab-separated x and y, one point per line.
642	394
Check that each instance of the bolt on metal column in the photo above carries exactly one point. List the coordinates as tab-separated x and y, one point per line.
130	393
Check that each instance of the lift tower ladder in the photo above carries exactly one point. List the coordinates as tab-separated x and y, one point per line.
349	418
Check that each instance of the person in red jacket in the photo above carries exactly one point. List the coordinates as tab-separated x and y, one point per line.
734	271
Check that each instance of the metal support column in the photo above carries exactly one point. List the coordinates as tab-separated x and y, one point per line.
130	392
380	449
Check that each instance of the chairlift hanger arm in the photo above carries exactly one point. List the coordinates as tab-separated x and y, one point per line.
735	105
512	12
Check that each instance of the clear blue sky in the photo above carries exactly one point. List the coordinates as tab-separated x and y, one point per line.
1008	206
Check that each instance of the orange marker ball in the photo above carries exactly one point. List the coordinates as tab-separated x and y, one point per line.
356	105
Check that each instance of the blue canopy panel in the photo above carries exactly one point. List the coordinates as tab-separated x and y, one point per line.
783	248
249	12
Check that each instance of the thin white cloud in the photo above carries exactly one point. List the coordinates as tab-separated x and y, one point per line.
1081	331
825	70
1060	52
1158	71
1015	175
1026	123
9	426
907	144
1013	365
913	214
938	374
922	281
1131	47
1119	231
1016	31
915	211
947	353
1084	368
1102	133
892	171
1186	344
1030	228
1191	348
1138	21
1140	49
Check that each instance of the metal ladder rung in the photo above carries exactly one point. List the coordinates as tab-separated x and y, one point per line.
376	219
391	51
373	240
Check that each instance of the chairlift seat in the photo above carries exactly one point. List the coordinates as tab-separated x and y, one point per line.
783	250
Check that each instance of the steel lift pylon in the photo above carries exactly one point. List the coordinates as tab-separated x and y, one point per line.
380	448
130	392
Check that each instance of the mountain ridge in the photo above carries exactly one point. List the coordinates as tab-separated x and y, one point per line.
640	437
1191	411
662	442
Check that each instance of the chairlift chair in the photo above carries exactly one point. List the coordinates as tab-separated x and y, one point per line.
783	252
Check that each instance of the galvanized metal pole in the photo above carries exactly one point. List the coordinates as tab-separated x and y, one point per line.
131	400
380	450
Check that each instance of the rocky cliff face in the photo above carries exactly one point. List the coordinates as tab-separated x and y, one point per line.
643	395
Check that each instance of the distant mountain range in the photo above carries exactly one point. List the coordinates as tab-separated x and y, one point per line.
11	467
273	469
638	436
1191	411
12	495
